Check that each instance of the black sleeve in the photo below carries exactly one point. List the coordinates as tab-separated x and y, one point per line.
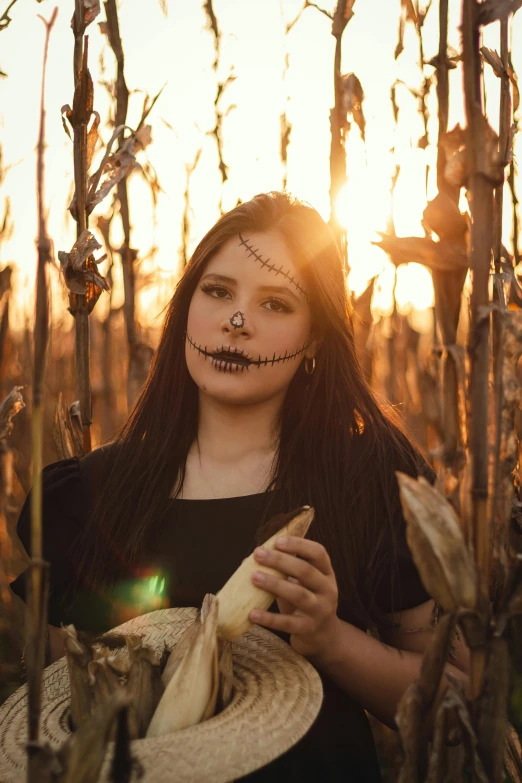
401	588
65	511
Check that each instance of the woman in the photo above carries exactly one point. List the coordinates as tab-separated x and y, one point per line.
255	404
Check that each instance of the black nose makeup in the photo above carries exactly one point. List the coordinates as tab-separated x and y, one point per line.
237	320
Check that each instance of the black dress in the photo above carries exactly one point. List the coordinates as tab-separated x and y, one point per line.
180	565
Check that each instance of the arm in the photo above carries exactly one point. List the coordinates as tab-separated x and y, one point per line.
377	675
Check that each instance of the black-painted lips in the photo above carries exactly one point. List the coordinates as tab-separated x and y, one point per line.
234	358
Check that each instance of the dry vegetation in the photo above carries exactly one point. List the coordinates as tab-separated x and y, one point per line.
453	388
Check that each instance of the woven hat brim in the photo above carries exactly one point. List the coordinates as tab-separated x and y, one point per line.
278	694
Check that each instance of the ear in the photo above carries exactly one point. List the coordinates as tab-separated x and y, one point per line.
314	347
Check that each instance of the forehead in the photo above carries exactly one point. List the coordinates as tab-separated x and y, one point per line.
258	256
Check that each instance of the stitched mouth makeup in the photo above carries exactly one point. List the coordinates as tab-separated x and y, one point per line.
228	359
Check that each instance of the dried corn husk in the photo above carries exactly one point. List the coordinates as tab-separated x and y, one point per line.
191	689
144	684
104	679
437	545
240	596
210	604
179	651
78	656
83	755
226	675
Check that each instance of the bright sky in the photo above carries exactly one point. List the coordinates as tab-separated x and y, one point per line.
179	51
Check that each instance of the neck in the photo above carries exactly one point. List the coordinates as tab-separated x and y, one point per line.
228	433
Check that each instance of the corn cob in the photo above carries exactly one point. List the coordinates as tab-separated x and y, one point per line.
190	692
239	595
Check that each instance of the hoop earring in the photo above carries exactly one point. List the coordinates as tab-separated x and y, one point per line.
309	372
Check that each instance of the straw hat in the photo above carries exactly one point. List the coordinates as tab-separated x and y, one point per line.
278	694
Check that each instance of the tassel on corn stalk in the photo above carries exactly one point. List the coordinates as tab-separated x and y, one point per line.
37	574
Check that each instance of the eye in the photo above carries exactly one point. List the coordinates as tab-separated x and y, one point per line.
278	306
215	291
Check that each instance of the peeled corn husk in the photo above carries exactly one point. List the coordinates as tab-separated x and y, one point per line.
190	692
240	596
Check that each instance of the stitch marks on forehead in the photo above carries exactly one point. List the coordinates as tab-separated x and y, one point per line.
219	357
254	253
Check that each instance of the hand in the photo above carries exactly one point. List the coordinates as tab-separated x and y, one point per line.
307	600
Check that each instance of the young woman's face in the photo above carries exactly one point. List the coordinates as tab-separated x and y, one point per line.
249	321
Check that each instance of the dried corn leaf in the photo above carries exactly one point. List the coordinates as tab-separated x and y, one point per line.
442	256
437	544
495	10
352	97
493	59
443	216
75	273
67	431
187	696
10	406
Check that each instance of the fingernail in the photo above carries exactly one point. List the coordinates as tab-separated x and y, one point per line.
261	553
282	541
258	577
255	614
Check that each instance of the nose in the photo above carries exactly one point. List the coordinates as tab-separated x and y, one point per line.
237	324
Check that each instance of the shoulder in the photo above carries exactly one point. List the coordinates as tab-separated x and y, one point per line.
93	466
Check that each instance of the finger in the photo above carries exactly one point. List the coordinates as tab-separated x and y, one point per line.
288	623
299	596
314	552
306	573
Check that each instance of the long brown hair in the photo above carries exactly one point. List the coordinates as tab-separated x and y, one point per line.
338	450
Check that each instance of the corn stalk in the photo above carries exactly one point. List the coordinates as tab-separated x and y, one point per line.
221	86
447	285
37	574
342	15
80	305
481	185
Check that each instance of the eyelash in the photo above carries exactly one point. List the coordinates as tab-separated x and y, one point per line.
208	288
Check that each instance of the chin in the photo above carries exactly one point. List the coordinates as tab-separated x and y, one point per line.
234	390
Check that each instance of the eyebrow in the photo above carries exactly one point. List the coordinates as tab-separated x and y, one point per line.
281	289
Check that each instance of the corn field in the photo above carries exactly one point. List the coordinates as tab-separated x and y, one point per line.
126	181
